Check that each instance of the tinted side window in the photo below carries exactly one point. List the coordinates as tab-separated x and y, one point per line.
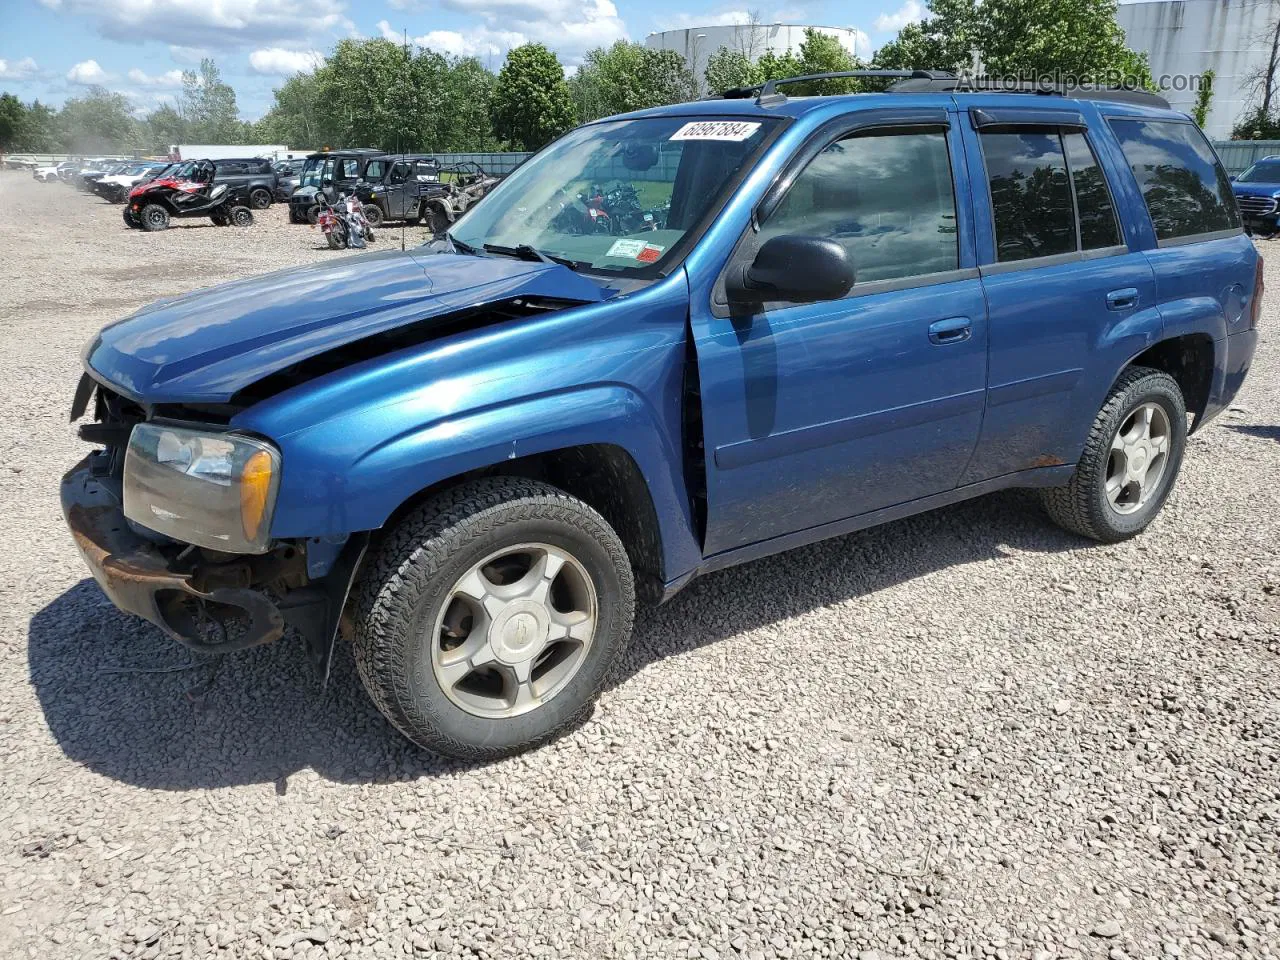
375	170
228	168
888	198
1030	195
1094	208
349	169
424	169
1186	190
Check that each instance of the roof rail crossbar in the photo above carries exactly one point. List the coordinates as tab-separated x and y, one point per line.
767	93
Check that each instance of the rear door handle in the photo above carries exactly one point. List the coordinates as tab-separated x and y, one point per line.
1122	299
951	330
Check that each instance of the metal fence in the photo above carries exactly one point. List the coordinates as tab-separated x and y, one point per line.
1238	154
499	164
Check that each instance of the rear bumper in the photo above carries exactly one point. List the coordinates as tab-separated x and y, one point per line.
1240	348
141	578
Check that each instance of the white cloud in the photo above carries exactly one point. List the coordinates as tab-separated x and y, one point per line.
23	69
570	27
285	63
170	78
87	73
911	11
188	55
209	23
477	42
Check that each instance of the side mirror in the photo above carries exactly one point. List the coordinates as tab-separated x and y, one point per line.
794	269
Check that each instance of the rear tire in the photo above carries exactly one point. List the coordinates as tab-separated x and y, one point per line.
1141	430
241	217
154	218
539	677
259	199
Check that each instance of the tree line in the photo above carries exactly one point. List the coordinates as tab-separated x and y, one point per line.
378	93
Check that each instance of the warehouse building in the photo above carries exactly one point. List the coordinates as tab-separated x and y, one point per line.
1184	38
697	44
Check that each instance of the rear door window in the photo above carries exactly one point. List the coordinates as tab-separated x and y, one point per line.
375	170
348	169
1095	210
1186	190
1030	194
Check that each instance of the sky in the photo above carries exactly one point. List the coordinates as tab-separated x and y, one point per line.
54	49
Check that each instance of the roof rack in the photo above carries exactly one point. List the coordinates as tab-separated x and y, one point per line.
954	84
767	94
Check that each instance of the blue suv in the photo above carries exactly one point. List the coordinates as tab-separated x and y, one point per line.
1257	192
670	342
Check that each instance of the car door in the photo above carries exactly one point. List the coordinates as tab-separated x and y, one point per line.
1068	301
398	186
815	412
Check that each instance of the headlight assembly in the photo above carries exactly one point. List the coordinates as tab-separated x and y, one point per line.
215	490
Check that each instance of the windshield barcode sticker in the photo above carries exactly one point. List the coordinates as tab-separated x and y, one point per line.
732	130
631	249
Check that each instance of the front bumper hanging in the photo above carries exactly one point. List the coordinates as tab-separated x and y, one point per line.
189	600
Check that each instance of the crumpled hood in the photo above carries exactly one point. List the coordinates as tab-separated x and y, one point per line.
205	346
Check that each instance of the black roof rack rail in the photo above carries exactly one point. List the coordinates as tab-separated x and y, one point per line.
954	84
767	93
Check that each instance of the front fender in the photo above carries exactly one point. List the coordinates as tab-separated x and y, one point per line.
325	496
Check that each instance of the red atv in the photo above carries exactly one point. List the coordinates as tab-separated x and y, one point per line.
187	190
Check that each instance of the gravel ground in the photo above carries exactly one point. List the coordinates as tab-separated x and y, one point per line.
963	734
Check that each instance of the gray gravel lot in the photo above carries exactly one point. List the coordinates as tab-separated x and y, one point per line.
963	734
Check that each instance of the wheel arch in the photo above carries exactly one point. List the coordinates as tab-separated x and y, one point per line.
605	476
1191	360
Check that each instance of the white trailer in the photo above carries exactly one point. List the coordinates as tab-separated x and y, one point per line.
212	151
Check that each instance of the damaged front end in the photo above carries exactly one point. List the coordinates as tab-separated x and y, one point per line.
210	601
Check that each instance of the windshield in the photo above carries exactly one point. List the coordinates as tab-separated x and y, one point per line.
311	172
618	196
1264	171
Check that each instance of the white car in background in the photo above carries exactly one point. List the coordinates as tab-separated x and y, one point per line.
58	171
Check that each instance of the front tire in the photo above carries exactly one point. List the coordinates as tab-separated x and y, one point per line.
1130	461
153	218
491	616
373	214
240	217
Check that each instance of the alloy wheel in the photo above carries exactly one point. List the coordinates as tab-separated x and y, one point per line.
1139	456
514	630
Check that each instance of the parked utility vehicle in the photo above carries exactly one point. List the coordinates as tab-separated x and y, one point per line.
474	454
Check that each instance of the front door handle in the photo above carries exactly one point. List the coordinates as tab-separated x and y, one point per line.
951	330
1122	299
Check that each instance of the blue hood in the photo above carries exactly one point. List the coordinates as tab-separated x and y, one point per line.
1255	189
205	346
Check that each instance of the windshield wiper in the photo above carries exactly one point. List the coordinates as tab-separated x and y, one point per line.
526	252
457	244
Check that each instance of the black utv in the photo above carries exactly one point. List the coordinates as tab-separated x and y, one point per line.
334	172
394	187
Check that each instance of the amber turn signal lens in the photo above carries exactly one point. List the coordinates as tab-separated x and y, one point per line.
255	485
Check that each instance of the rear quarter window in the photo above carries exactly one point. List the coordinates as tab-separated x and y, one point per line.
1185	188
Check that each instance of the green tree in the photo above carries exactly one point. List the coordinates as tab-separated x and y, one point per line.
165	126
98	122
1257	124
1071	40
629	76
822	53
730	70
532	104
13	117
209	106
1203	96
40	129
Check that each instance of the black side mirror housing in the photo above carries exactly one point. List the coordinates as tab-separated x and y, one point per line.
792	269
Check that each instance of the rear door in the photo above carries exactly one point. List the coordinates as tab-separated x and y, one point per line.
1069	299
816	412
